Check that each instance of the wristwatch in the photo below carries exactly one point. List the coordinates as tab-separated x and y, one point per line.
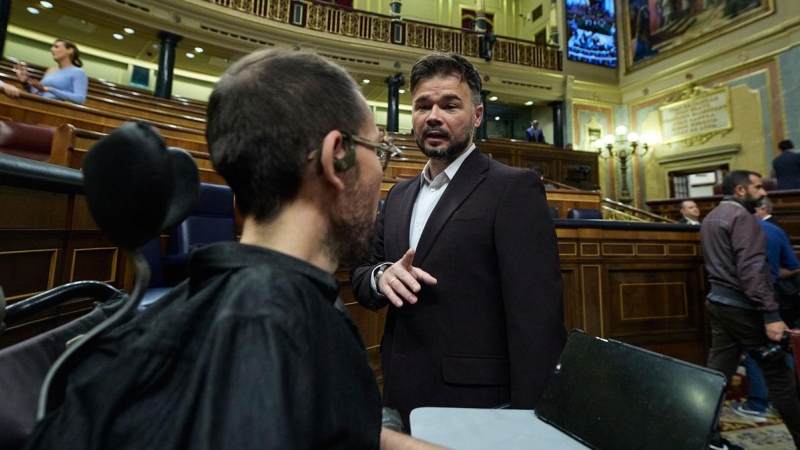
379	273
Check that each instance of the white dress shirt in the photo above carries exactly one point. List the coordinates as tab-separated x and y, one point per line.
430	191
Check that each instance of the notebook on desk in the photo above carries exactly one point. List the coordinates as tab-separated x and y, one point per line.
614	396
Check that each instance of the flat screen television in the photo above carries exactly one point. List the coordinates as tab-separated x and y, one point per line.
591	32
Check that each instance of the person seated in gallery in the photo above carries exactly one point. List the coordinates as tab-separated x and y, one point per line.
66	82
690	213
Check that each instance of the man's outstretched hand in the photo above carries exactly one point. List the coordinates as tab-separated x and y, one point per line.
401	281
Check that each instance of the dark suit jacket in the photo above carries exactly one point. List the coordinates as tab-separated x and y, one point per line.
532	135
492	328
787	170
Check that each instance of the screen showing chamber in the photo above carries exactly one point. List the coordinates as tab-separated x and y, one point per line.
591	32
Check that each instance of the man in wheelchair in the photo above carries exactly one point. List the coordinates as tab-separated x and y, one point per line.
254	350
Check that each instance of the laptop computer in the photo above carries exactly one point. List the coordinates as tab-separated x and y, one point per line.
614	396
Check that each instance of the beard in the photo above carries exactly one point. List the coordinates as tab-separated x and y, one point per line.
751	202
458	143
351	225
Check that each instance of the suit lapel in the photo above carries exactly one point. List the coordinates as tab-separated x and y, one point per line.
406	207
468	177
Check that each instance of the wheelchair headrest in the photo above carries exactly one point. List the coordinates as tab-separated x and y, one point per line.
136	187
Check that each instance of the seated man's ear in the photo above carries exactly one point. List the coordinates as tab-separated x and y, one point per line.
337	155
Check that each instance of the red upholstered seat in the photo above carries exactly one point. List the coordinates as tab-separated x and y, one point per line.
25	140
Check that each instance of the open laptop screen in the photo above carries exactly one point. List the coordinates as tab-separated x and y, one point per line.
611	395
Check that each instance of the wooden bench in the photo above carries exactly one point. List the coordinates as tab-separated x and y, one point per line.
139	110
71	144
567	167
41	111
109	90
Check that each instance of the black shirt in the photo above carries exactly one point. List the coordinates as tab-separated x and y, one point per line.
255	351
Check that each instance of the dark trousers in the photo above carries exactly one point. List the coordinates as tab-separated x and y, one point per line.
734	330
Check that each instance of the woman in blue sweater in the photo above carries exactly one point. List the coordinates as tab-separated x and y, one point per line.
67	82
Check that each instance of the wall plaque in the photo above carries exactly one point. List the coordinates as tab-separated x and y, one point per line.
696	116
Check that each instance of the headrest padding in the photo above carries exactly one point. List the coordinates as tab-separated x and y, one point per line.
129	183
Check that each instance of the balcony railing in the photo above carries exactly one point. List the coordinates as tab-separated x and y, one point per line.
352	23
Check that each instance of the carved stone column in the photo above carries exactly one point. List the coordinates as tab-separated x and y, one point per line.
558	123
395	82
166	64
5	13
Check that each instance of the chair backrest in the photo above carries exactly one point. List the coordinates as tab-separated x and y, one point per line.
554	212
135	188
26	140
584	213
212	220
614	396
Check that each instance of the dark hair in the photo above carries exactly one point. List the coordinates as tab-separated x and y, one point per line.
683	203
267	113
736	178
785	145
445	64
75	59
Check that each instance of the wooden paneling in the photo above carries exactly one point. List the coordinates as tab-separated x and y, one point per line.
562	166
41	249
639	285
642	286
37	265
98	263
564	200
22	208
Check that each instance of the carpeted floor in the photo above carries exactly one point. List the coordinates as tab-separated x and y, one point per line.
746	432
771	435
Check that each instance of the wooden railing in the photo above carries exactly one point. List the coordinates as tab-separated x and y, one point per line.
613	210
352	23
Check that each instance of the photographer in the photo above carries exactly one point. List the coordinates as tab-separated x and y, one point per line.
742	309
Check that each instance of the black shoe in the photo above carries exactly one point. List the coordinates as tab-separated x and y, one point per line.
723	444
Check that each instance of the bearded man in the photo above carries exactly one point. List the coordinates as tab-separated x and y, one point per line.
465	257
741	305
255	350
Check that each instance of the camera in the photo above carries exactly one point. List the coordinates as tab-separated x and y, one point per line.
772	352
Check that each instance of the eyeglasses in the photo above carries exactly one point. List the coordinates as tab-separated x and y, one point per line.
384	150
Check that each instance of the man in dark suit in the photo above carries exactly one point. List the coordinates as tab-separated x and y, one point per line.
787	167
690	213
764	211
465	256
534	133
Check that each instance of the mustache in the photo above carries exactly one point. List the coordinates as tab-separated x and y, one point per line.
439	130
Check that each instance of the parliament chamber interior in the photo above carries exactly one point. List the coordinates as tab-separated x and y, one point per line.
642	106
